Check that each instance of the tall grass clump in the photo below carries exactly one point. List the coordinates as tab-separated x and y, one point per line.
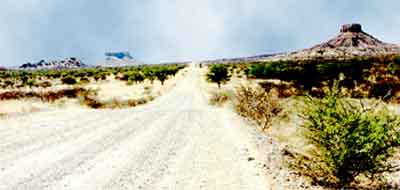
352	141
257	105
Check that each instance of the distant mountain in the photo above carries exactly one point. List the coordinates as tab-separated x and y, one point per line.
118	59
118	56
241	59
68	63
351	42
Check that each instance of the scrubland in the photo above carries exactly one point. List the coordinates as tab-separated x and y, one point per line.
337	121
41	90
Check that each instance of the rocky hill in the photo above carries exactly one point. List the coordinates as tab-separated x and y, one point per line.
118	59
68	63
118	56
351	42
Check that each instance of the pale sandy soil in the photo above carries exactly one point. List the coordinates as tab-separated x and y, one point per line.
177	141
10	108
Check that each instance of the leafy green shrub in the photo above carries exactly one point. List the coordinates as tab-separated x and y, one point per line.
218	74
136	77
350	140
149	74
68	80
257	105
9	83
31	83
84	81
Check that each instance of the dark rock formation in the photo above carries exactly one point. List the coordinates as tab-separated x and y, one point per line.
69	63
351	28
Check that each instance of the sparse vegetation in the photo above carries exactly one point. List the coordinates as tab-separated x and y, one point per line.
40	81
48	96
376	77
349	133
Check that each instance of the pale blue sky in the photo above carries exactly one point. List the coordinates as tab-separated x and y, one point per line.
169	30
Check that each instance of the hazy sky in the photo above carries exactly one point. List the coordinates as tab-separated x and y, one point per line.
168	30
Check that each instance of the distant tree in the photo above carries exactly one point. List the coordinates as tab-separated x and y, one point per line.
68	80
161	75
136	76
31	83
84	80
218	74
150	75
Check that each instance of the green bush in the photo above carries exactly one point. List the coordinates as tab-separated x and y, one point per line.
135	76
218	74
161	75
84	80
350	140
68	80
311	73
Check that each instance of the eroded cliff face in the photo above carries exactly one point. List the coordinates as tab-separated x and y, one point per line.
351	42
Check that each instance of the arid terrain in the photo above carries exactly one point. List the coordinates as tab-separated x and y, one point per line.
326	117
176	142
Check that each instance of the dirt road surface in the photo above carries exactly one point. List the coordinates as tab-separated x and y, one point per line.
177	141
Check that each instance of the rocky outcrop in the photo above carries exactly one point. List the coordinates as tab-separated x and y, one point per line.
351	28
351	42
68	63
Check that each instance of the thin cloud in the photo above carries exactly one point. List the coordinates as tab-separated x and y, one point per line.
158	30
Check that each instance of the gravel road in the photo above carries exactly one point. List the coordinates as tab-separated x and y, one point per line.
177	141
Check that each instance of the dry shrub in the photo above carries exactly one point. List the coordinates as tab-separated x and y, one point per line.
282	88
86	97
49	96
257	105
218	98
91	101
